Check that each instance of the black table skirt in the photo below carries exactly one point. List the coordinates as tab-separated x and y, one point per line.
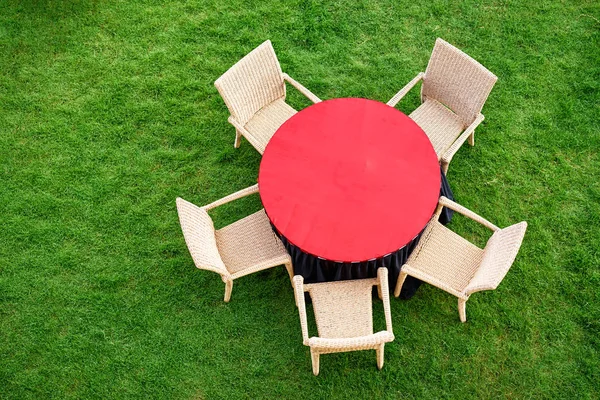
316	269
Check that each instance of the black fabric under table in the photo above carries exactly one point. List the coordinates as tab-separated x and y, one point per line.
316	269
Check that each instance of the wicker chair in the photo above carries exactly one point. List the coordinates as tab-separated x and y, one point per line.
254	92
241	248
450	262
455	88
343	313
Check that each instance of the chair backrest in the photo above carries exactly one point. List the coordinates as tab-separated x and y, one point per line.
199	233
457	81
498	256
252	83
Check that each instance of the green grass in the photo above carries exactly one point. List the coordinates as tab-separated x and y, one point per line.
108	113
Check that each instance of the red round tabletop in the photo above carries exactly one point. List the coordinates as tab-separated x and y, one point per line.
349	180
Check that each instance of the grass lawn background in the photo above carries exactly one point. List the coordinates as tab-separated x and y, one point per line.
108	113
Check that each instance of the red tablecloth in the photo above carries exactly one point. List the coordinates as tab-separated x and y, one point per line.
349	180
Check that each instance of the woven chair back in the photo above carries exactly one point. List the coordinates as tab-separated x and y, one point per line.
252	83
457	81
498	257
199	233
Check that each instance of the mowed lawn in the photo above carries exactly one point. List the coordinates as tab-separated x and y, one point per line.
108	113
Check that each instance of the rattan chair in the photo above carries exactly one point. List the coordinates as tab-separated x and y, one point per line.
254	92
344	316
446	260
454	90
241	248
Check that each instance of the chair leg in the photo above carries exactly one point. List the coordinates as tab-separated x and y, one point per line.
379	352
379	292
315	361
462	312
228	287
472	139
401	279
445	166
238	137
290	271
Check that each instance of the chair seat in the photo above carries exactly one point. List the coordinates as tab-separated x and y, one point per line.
343	309
446	256
440	124
250	241
267	120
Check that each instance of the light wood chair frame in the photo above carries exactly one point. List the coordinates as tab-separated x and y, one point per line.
471	122
320	345
499	252
249	63
201	239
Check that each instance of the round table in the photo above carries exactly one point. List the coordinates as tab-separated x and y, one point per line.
348	185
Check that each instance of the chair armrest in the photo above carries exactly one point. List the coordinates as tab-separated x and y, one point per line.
310	95
444	201
234	196
398	96
447	156
299	293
